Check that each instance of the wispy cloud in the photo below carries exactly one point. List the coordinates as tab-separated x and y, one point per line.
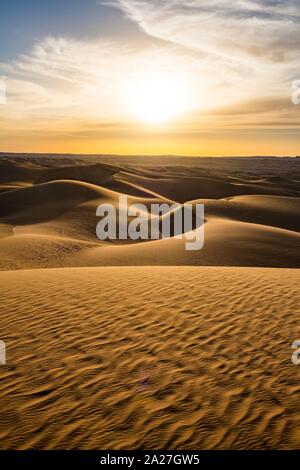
254	42
66	78
237	58
260	30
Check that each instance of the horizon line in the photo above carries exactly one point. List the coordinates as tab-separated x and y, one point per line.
3	153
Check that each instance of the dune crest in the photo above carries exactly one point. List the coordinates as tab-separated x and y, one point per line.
48	210
129	344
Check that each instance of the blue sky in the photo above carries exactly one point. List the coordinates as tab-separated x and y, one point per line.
23	22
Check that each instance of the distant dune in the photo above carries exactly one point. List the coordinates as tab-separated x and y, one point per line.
48	210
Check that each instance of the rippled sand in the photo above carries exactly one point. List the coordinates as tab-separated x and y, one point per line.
151	357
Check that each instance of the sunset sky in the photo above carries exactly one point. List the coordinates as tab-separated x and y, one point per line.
189	77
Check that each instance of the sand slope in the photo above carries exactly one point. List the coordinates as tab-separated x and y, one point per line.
227	243
48	210
170	348
191	358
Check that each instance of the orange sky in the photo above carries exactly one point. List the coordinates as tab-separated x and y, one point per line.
156	83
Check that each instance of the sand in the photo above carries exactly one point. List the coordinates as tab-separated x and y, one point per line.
48	214
126	345
193	358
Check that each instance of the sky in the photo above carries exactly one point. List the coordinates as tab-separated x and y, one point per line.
185	77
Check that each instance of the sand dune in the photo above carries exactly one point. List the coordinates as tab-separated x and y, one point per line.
275	211
49	219
47	201
184	188
226	243
189	358
169	348
96	174
16	171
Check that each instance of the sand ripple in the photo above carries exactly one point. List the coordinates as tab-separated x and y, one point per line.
150	357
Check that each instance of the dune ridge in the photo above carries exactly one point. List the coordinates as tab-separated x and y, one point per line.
142	344
48	208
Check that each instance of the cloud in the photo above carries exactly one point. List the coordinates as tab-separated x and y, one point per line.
257	30
62	80
251	46
227	53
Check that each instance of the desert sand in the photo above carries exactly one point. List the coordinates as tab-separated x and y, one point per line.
126	345
119	358
48	210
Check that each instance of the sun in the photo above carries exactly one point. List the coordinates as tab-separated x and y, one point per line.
156	98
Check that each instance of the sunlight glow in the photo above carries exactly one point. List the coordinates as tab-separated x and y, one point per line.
157	98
